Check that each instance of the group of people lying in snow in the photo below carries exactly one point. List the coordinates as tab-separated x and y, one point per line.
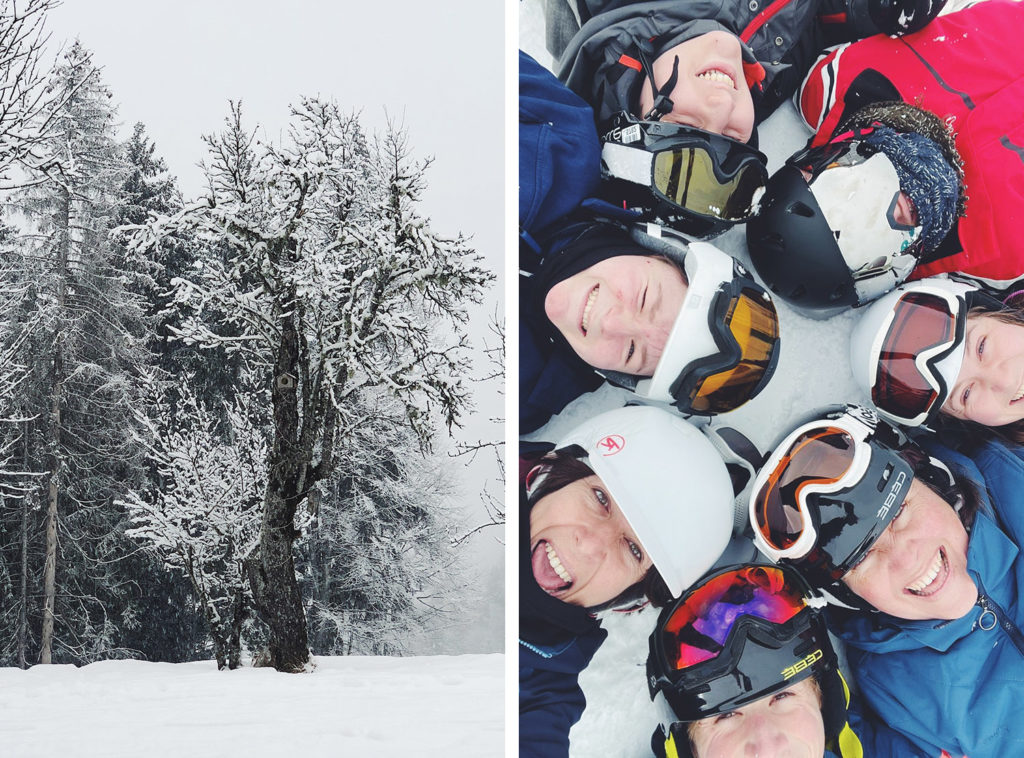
896	525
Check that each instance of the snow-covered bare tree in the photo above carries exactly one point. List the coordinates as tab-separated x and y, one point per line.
331	284
28	105
205	516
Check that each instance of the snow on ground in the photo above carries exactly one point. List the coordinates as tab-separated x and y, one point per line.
350	706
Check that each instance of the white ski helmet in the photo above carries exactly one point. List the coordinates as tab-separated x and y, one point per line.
670	483
724	345
907	348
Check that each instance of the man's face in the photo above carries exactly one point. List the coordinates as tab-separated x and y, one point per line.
786	724
618	314
917	568
710	92
989	389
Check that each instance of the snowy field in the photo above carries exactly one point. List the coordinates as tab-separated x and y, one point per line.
447	706
813	372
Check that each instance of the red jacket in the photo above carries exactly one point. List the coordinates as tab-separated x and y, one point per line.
967	68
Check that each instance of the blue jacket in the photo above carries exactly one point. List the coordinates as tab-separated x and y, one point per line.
957	685
559	166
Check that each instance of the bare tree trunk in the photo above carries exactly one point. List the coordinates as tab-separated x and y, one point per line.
23	610
271	570
50	566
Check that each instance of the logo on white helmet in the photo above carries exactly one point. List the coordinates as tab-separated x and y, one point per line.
611	444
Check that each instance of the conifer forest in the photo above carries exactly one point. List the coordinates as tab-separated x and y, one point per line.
224	419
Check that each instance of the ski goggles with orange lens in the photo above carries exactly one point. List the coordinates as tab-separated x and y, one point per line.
745	327
925	327
827	492
730	639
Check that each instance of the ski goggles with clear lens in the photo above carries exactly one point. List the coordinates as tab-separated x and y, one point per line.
745	327
820	457
924	328
699	173
695	646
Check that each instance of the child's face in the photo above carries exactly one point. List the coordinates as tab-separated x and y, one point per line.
583	550
711	92
787	723
618	314
989	389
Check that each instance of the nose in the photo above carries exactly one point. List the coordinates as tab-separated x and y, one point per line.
764	738
594	538
620	321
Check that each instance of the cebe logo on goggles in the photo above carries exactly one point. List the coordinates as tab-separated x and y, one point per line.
923	328
674	167
702	656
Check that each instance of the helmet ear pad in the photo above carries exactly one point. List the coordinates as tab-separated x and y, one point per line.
793	248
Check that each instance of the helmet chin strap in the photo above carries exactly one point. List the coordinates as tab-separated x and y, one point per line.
662	102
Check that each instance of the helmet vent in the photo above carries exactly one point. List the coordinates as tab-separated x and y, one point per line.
801	209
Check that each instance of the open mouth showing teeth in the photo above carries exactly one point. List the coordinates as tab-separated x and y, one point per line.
717	75
585	319
1019	395
551	575
932	579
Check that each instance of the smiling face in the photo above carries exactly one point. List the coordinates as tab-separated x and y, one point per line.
786	724
917	568
711	92
582	549
618	314
989	389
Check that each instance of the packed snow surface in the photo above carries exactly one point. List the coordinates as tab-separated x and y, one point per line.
431	706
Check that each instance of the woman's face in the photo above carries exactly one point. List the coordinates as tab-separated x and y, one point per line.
990	386
618	313
917	568
711	92
785	724
583	550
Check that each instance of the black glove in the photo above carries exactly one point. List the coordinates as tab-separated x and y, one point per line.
903	16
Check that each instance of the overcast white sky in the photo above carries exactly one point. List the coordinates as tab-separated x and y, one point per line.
436	66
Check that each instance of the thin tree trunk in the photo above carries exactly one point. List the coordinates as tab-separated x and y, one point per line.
23	610
50	566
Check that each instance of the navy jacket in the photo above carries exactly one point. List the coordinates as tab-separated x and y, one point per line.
559	166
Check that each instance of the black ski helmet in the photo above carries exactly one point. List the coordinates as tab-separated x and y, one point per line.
717	649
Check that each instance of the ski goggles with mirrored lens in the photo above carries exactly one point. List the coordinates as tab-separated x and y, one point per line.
683	169
702	656
847	149
924	328
745	327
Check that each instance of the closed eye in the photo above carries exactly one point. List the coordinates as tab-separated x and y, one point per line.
782	695
632	349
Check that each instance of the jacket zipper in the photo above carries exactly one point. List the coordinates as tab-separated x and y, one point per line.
988	605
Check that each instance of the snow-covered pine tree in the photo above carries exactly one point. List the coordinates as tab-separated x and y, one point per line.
333	284
81	339
376	561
